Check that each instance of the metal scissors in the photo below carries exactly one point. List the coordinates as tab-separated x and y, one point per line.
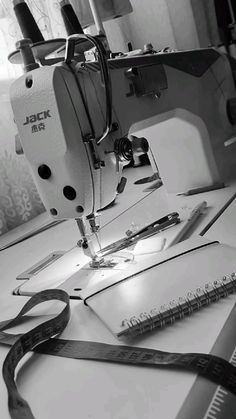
155	227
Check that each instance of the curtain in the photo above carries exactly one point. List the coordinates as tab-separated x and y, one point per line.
206	22
19	199
48	17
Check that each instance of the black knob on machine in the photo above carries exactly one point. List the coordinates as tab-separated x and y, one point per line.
27	23
70	18
44	171
231	110
24	46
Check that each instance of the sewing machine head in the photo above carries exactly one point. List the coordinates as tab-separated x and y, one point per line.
74	121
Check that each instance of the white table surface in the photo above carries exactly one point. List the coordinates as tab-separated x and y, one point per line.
59	387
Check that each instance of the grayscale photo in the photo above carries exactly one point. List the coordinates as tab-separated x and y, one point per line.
118	209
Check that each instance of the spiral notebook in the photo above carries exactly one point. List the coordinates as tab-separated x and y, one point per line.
180	281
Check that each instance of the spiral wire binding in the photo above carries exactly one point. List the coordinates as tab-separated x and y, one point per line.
180	308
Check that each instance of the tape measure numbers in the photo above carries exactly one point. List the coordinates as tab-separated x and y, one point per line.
40	340
206	400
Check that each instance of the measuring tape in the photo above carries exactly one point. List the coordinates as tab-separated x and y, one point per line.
18	407
40	340
206	400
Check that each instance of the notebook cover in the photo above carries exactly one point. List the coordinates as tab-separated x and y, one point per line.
179	270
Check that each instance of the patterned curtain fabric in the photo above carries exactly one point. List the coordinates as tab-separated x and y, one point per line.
48	17
19	199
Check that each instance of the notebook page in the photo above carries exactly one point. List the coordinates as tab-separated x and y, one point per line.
159	285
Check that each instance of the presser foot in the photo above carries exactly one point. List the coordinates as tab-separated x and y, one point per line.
94	272
73	267
97	263
112	261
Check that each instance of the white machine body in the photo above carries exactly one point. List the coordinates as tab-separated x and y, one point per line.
183	103
52	125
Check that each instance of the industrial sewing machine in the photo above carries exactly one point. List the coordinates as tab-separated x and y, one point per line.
77	120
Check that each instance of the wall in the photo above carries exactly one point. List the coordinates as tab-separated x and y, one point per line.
181	24
206	22
149	22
